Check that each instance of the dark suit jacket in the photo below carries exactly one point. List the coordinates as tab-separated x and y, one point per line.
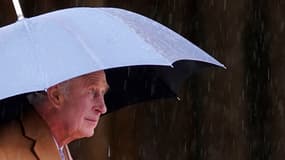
28	139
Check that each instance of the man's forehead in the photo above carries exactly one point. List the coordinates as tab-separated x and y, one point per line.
94	77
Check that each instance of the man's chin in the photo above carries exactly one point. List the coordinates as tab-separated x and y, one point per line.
89	133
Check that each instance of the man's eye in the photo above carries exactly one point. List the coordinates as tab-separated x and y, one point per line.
96	92
92	91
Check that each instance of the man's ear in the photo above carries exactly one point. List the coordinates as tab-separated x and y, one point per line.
55	96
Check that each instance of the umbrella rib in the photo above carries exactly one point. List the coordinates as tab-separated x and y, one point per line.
82	42
36	48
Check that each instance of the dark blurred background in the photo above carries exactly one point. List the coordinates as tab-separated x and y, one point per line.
235	114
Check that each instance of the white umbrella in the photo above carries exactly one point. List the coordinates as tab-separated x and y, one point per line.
38	52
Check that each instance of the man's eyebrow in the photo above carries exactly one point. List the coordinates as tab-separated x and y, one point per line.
91	80
107	88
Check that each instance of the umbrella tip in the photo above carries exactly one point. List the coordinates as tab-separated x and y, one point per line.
223	66
18	9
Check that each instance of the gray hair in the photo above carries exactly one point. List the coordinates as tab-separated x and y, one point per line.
37	98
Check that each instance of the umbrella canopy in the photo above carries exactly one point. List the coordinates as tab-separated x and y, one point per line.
130	85
41	51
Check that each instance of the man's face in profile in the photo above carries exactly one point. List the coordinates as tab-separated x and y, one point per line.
83	104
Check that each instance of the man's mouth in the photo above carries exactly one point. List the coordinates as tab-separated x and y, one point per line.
91	120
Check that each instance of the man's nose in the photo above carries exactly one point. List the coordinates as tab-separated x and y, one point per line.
100	105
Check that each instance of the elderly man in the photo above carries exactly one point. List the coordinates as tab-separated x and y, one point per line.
65	112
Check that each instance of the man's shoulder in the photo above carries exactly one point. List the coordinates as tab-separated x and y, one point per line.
10	128
11	134
12	140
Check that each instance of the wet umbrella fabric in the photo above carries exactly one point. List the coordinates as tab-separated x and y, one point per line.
41	51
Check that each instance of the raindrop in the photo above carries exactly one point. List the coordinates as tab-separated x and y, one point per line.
225	5
209	86
268	74
170	18
174	5
280	108
109	151
185	147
